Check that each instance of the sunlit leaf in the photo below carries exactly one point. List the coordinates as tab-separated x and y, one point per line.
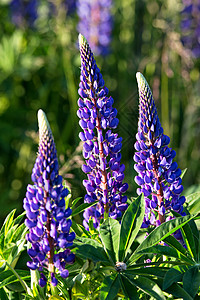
109	232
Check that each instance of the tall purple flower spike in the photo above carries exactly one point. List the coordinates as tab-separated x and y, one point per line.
158	176
24	12
101	148
95	23
190	26
46	215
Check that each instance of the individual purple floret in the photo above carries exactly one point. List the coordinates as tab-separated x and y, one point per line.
158	176
101	148
190	26
95	23
24	12
46	215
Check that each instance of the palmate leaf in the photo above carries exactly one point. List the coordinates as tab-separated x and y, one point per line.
110	287
109	233
159	234
191	281
130	226
90	249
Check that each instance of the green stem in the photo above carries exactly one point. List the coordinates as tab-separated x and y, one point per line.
54	290
106	215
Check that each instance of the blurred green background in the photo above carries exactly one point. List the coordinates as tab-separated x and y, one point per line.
40	66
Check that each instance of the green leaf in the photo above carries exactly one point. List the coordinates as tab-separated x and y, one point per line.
167	251
91	249
129	289
171	241
190	233
3	295
82	207
147	285
178	292
7	277
130	226
110	287
109	233
163	231
193	201
75	201
151	270
189	240
183	173
56	298
8	222
2	265
172	276
191	281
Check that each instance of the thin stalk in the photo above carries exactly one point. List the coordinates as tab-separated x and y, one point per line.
50	254
160	191
104	183
54	290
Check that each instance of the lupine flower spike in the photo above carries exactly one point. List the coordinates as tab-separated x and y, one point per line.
46	215
101	148
24	12
95	23
158	176
190	26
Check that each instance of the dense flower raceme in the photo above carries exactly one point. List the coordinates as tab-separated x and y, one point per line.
95	23
24	12
101	148
190	26
47	217
158	176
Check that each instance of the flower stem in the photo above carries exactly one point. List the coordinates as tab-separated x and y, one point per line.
160	191
54	290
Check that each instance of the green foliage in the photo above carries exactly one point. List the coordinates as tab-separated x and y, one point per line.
122	263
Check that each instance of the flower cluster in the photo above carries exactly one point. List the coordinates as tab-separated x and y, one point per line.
190	26
46	215
158	176
101	148
96	23
24	12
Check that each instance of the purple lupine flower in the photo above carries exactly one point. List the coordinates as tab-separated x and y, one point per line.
190	26
101	148
158	176
95	23
46	215
24	12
